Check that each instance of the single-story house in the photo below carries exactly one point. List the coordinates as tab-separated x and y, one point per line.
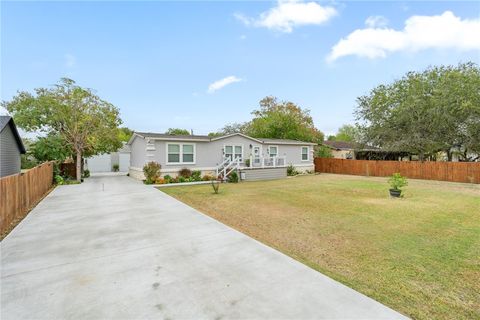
11	147
356	151
106	162
341	149
255	158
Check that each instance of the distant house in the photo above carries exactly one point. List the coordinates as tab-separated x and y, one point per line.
11	147
254	158
341	149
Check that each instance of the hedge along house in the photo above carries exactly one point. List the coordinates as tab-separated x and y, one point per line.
254	158
11	147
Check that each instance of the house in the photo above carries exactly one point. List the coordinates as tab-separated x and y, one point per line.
341	149
106	162
11	147
356	151
254	158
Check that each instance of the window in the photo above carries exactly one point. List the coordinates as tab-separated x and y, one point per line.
174	153
180	153
304	153
272	151
187	153
233	152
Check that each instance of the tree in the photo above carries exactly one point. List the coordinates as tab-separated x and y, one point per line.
322	151
332	137
178	132
425	112
282	120
124	134
347	133
51	147
85	123
230	128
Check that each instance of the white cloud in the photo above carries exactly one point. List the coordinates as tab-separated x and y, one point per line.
70	60
420	33
289	14
376	22
219	84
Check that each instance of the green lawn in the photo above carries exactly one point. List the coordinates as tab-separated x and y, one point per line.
420	255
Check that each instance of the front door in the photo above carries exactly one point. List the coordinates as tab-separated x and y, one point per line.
256	156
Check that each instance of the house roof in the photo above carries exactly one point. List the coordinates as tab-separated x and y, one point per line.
7	120
163	136
341	145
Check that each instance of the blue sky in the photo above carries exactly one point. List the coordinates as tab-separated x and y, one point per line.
156	60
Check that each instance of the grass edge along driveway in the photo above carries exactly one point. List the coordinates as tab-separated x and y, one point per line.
418	255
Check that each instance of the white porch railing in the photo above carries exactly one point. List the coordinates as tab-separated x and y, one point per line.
227	166
268	162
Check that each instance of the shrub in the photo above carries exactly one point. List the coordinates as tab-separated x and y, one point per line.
291	171
151	171
181	179
115	167
397	181
160	181
233	177
185	172
208	177
323	152
86	173
247	162
59	180
167	178
197	175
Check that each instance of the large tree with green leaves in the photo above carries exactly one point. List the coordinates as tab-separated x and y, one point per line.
282	120
425	112
347	132
85	123
178	132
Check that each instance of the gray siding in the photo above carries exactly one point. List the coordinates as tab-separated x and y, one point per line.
209	154
138	152
9	153
264	174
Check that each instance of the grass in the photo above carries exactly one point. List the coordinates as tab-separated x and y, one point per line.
419	255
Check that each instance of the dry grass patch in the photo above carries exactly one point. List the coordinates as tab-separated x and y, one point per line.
419	255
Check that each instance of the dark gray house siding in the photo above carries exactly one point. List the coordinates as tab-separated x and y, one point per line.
10	149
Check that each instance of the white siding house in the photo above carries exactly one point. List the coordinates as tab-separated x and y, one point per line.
207	154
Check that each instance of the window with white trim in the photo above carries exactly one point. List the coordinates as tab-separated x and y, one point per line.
234	152
272	151
180	153
304	153
187	153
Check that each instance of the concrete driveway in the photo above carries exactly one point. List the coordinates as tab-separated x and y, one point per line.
113	248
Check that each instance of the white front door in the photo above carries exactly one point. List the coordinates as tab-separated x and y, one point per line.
256	156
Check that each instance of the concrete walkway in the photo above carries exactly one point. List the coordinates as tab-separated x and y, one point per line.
113	248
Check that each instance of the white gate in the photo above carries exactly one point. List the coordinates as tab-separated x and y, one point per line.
124	162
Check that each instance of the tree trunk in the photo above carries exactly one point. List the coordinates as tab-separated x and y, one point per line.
78	164
449	155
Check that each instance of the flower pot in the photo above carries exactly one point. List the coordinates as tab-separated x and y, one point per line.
395	193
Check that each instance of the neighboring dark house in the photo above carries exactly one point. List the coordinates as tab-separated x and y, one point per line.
352	150
11	147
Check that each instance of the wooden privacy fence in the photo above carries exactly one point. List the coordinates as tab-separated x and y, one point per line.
21	191
443	171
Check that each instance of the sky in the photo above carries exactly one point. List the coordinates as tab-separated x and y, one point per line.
200	65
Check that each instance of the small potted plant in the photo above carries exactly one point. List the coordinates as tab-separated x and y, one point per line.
397	182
